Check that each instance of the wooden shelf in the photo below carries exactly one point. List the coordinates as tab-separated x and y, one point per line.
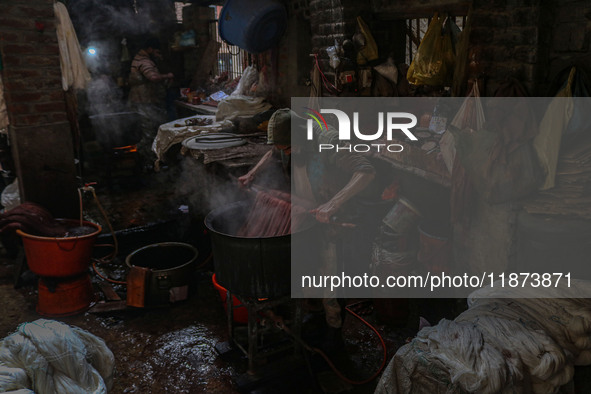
185	48
198	109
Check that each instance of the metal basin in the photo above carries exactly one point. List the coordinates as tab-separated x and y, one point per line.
171	266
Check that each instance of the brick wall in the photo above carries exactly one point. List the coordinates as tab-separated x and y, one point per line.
567	30
505	40
327	21
32	72
529	39
39	130
532	40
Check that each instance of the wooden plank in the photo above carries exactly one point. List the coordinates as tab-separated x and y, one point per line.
138	279
112	306
109	292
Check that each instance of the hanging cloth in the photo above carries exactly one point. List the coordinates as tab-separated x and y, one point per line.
3	113
74	71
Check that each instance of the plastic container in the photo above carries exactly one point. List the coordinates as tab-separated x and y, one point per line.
240	313
64	297
254	25
59	257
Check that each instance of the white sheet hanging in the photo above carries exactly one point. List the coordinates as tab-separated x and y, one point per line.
74	71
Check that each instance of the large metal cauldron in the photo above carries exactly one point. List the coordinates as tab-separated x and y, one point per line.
248	267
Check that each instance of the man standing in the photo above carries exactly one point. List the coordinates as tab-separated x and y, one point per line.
323	185
147	94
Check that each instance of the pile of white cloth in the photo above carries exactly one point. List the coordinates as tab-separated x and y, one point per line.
47	357
235	106
512	344
175	132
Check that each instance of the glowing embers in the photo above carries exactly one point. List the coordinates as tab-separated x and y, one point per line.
122	162
125	149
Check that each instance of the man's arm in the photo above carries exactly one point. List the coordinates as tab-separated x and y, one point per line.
150	71
359	181
247	178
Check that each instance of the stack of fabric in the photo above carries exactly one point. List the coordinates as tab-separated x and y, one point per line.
514	344
46	356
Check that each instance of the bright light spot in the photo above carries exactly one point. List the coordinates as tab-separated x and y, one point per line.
91	51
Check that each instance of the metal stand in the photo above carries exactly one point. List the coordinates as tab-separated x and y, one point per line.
265	336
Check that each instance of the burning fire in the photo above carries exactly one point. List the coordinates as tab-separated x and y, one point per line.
126	148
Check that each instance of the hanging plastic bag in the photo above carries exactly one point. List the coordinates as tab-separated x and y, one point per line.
461	47
388	70
581	118
554	122
369	51
470	115
333	54
433	63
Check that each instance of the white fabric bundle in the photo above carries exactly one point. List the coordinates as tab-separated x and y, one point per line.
232	107
55	358
249	77
514	343
472	363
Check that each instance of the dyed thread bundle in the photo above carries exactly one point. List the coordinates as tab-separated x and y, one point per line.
269	216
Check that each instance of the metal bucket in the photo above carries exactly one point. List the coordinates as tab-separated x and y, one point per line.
403	217
169	268
248	267
258	267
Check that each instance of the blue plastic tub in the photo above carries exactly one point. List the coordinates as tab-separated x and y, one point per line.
254	25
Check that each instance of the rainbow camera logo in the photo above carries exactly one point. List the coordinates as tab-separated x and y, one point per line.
316	115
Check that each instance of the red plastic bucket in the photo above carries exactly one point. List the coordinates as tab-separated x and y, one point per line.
66	297
59	257
240	313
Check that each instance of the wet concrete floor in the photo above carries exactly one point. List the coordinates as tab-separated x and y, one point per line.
173	349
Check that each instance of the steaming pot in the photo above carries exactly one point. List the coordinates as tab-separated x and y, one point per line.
250	267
